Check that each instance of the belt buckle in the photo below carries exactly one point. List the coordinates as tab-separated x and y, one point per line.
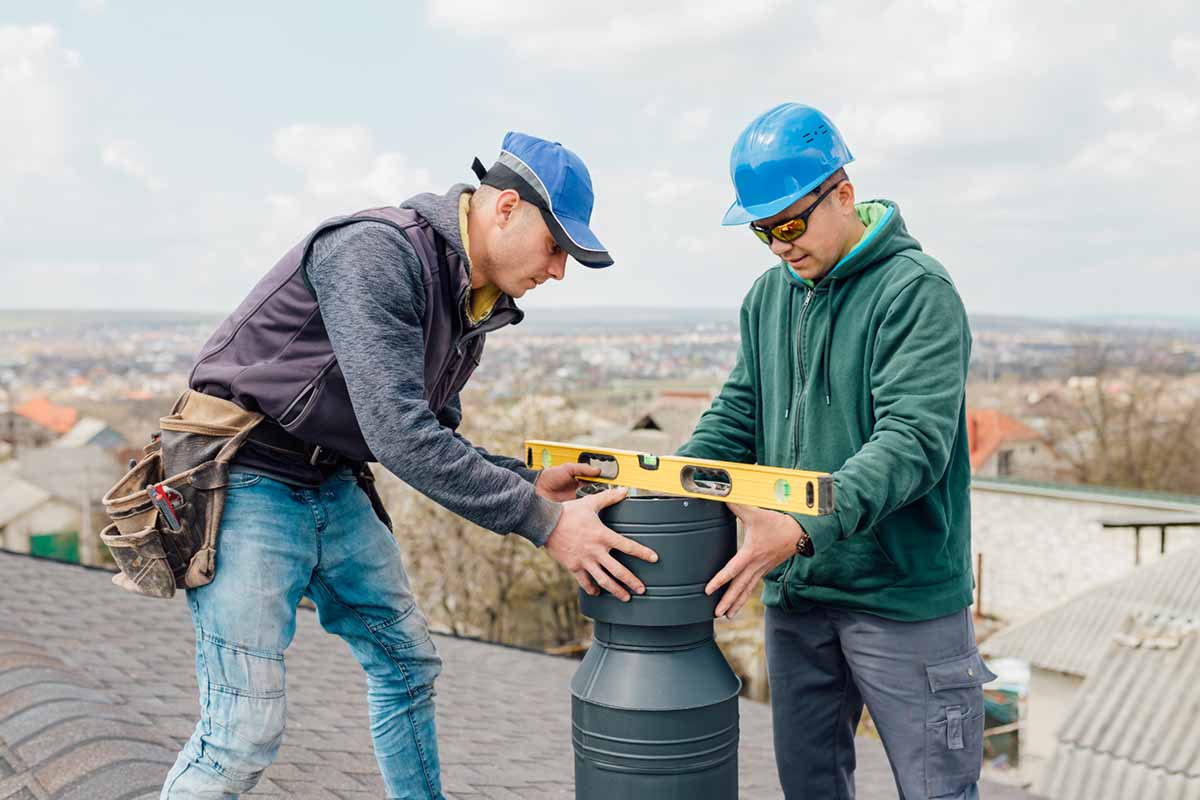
316	455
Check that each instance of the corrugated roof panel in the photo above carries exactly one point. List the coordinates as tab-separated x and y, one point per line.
1072	637
1132	731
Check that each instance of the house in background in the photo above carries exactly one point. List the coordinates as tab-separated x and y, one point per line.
36	423
50	501
92	431
1002	447
32	520
1069	646
661	429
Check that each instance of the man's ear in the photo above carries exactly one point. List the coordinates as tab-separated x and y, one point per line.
845	196
506	205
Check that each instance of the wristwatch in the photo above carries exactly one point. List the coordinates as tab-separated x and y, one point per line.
804	545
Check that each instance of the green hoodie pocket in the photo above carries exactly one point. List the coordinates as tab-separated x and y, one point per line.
856	563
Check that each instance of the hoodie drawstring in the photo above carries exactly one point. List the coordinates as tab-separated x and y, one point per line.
828	343
791	361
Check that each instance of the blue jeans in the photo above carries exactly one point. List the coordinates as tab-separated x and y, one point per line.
279	543
921	681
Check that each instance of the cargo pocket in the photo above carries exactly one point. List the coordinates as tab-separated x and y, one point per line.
954	723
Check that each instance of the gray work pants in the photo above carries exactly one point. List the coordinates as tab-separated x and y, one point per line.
921	681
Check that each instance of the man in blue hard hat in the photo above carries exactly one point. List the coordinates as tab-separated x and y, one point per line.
853	360
355	347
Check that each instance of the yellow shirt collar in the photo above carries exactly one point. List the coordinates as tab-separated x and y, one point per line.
481	301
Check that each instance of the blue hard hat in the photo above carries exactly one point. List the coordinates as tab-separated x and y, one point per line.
781	156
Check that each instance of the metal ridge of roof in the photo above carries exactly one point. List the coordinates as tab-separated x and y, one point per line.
1140	498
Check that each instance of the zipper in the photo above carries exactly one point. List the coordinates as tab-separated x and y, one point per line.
796	417
801	390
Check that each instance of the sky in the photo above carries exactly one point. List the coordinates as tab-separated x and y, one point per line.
153	157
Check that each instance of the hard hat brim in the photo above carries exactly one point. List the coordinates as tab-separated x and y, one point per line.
739	215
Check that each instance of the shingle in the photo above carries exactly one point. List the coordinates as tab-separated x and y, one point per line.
101	688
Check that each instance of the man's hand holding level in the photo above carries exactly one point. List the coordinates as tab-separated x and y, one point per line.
769	541
582	544
560	484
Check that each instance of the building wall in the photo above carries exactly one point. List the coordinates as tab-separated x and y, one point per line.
1035	461
1051	695
52	516
23	432
1040	551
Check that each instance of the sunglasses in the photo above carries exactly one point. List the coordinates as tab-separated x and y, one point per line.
791	229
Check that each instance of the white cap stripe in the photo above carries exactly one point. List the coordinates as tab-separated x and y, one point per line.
521	168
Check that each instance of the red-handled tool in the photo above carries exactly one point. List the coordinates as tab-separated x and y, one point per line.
165	499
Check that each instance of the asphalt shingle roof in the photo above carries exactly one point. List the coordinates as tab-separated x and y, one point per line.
97	693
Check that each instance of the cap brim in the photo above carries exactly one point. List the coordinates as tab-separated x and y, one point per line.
575	237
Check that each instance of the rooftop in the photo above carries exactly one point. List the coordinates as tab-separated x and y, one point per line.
51	416
1091	493
82	432
97	693
1132	731
988	429
1074	637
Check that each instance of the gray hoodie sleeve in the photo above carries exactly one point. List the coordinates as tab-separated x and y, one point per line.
369	286
451	417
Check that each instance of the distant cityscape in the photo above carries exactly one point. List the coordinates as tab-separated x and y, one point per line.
106	356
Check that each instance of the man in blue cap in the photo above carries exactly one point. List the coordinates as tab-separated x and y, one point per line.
355	347
853	360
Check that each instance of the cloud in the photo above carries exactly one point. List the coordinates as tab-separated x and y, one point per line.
1185	53
1156	129
35	74
692	125
887	129
93	6
663	188
341	172
81	283
126	157
602	36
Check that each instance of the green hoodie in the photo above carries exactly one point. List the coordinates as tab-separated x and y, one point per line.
862	375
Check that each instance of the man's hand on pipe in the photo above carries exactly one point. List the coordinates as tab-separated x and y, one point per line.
582	544
770	540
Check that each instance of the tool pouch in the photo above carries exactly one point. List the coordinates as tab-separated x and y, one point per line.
166	511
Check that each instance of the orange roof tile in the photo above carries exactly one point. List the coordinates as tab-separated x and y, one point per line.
988	428
56	418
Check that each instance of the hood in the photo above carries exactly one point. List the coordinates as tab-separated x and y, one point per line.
885	236
441	211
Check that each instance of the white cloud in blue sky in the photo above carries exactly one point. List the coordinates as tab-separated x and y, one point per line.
1048	154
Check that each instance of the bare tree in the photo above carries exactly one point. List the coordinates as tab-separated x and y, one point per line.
472	582
1124	427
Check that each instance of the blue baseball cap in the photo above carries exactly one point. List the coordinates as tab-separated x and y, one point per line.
556	181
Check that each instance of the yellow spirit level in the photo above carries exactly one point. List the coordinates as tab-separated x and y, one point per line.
793	490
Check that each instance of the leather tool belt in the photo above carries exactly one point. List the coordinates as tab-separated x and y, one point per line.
166	511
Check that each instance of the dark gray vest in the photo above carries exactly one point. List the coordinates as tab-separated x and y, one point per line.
273	354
